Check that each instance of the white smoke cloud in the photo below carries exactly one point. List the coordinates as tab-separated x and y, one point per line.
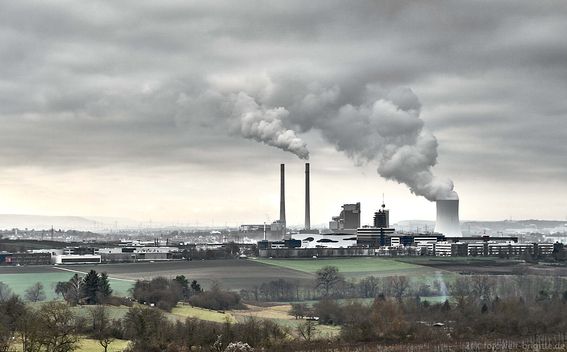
392	133
386	129
265	125
374	126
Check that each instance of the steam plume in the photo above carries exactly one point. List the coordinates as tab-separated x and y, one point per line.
368	125
265	125
387	129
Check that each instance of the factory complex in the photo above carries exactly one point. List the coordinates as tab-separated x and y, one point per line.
347	237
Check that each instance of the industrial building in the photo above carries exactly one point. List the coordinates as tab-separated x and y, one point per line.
25	258
379	234
381	239
348	220
76	259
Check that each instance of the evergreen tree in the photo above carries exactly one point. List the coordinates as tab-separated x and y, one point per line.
91	284
182	281
196	287
104	289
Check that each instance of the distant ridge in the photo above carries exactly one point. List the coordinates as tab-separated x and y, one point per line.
45	222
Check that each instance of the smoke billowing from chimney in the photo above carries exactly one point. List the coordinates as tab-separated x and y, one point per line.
368	124
265	125
384	127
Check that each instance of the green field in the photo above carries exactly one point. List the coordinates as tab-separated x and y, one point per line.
89	345
19	283
113	312
183	311
352	267
86	345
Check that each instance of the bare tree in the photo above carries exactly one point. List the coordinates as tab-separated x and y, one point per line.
460	290
35	293
5	292
398	285
298	310
10	312
369	286
328	278
30	331
72	290
58	331
101	325
307	329
483	287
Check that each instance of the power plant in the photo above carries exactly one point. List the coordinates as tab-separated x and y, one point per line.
447	221
349	222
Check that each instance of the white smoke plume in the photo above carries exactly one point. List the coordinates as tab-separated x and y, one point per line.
265	125
390	131
368	125
386	129
243	116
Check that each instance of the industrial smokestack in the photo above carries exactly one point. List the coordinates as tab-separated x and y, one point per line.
282	194
448	217
307	199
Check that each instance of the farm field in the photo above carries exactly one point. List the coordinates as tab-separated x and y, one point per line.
487	266
234	274
354	267
239	274
19	282
89	345
183	311
279	314
230	274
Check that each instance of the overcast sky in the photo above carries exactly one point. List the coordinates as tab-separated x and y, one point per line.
182	111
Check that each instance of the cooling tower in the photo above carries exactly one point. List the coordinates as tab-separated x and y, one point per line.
307	199
448	218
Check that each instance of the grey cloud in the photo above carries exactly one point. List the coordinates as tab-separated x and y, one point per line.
124	82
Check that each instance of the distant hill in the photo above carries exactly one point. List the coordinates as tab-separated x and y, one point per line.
44	222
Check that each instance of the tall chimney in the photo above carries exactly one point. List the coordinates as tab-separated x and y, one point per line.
307	199
282	194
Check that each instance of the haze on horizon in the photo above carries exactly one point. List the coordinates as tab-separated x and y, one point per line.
150	110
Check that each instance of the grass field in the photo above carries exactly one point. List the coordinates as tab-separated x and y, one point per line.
113	312
20	282
88	345
279	314
183	311
230	274
352	267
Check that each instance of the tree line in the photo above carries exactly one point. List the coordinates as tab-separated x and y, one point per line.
330	283
165	293
94	288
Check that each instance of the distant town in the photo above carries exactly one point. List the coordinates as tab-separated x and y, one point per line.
345	236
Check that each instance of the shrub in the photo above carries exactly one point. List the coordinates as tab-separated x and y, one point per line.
216	299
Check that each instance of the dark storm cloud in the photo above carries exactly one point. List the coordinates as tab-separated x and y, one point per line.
164	82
